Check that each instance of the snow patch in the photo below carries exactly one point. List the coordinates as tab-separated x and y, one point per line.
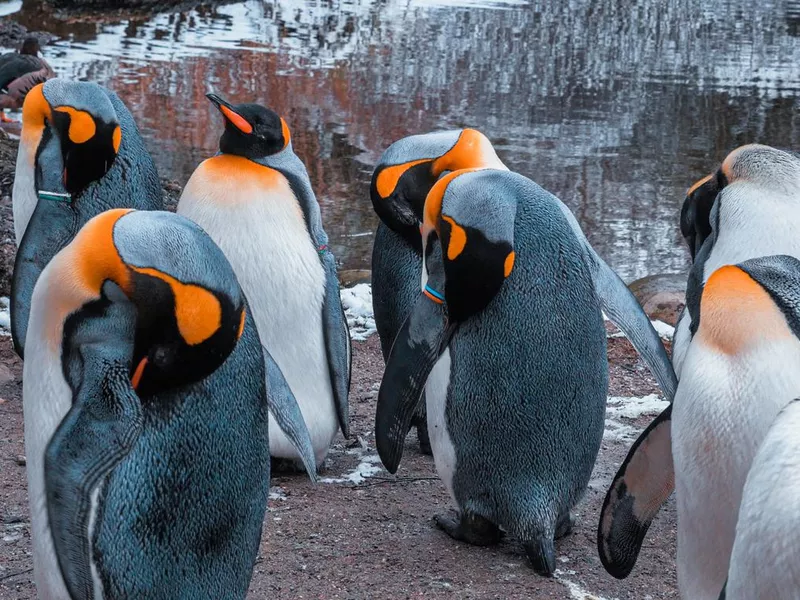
5	317
575	590
357	303
664	330
370	465
621	407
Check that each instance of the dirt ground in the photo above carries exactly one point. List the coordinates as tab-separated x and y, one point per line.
374	539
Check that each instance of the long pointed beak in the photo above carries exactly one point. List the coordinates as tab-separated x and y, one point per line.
417	347
230	114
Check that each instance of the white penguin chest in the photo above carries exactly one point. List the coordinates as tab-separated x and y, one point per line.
723	408
23	194
444	453
263	234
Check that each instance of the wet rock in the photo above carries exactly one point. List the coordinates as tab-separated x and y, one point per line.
662	296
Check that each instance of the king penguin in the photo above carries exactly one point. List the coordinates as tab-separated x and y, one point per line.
145	416
401	180
255	200
80	153
748	208
507	340
765	559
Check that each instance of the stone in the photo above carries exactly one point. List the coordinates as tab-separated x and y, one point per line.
662	296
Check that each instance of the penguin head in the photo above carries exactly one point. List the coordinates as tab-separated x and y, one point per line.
770	169
189	308
251	130
79	134
468	233
410	167
30	46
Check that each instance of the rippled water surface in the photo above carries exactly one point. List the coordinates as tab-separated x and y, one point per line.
615	106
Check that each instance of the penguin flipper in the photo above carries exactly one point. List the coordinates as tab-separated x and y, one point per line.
641	486
624	310
283	406
100	429
337	342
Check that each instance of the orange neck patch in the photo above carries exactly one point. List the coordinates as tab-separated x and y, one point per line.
736	312
81	124
508	266
287	137
116	138
197	311
236	120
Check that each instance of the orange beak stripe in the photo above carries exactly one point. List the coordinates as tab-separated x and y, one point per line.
236	119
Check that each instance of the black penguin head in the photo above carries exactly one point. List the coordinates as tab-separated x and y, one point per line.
30	46
470	214
189	313
79	134
251	130
696	210
410	167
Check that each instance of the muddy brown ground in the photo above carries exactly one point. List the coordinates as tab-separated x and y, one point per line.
371	540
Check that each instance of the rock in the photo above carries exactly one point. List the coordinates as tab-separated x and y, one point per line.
662	296
6	376
21	461
350	277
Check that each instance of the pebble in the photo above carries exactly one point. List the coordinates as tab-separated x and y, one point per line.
21	461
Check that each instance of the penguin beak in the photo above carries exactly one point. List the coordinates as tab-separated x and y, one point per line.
230	114
417	347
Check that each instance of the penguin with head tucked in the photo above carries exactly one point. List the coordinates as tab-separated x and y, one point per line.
80	153
748	208
145	416
401	180
765	559
255	200
507	340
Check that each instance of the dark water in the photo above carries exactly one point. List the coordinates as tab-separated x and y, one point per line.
616	106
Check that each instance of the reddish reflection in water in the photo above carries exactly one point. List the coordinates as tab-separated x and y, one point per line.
615	107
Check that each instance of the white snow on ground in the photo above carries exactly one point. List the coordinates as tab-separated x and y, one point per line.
370	465
620	407
664	330
5	318
575	591
357	303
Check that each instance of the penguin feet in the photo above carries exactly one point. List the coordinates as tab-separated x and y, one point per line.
285	466
564	525
542	554
470	528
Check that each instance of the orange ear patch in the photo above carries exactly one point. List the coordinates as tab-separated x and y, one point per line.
388	177
472	150
116	138
736	312
81	124
287	137
508	266
236	119
197	311
458	239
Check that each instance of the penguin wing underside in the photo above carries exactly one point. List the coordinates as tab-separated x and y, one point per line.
641	486
283	406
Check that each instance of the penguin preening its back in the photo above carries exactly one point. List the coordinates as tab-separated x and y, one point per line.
748	208
80	153
20	72
401	180
255	200
145	416
507	340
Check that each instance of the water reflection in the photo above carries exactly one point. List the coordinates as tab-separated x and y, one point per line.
614	106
